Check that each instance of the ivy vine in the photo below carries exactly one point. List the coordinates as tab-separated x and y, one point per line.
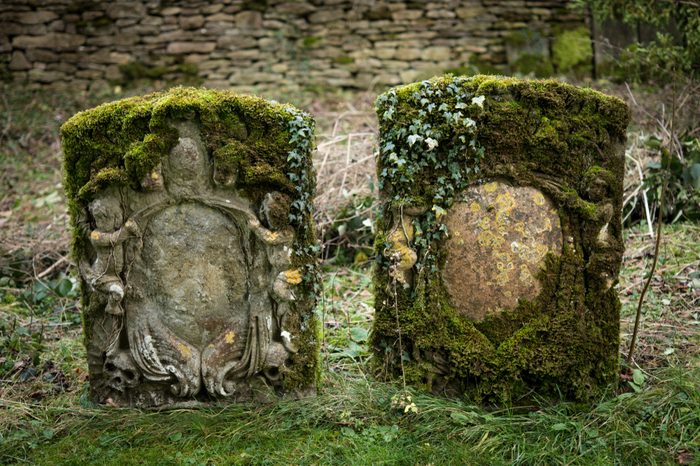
428	152
301	132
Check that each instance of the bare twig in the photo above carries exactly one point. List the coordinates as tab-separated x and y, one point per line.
53	267
659	225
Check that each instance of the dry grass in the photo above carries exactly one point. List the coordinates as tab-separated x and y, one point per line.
344	159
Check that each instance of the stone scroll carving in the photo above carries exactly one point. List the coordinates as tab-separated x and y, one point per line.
195	286
500	237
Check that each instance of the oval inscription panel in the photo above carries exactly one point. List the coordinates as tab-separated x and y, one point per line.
192	273
499	236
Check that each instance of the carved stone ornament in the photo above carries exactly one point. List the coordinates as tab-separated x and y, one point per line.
193	285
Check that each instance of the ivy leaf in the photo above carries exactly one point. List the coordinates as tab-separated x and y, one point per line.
413	138
432	143
638	377
439	211
479	101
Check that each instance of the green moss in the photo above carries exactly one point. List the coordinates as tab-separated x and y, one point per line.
257	5
136	71
260	145
562	140
310	41
521	38
344	60
531	63
572	50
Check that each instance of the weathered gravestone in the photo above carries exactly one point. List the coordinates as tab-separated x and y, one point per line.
500	237
192	229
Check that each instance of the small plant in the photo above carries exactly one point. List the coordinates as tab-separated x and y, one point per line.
683	195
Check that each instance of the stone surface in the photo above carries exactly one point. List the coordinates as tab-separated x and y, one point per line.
36	17
190	47
192	287
19	62
499	237
57	41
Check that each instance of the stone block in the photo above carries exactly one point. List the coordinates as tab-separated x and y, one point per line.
294	8
170	11
53	41
408	54
440	14
501	237
248	19
191	22
407	15
192	226
44	76
323	16
19	62
121	10
436	53
470	12
36	17
57	26
13	29
190	47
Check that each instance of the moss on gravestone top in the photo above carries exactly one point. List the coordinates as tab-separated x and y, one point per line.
266	143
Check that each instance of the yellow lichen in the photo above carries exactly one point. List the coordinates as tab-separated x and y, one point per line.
490	187
293	277
184	350
538	198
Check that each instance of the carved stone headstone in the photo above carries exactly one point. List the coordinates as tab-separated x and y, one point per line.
191	216
500	238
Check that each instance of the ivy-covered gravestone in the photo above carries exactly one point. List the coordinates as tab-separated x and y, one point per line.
192	229
500	238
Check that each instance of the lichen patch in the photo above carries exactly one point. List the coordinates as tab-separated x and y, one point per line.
499	238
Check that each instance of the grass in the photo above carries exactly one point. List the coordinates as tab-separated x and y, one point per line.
653	417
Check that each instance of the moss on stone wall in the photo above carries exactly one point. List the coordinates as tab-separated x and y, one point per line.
572	51
562	140
258	145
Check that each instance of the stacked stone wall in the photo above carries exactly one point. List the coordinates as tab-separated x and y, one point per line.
245	44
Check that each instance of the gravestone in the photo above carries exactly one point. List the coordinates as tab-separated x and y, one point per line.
500	238
191	213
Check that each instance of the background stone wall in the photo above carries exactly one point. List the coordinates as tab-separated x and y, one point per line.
244	44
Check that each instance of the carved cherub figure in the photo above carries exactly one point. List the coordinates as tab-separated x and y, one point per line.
103	274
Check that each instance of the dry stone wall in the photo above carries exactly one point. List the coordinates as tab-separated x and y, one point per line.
244	44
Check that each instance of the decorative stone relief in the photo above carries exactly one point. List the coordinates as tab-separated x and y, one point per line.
194	288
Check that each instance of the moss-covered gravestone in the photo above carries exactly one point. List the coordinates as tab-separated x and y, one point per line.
500	237
191	216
